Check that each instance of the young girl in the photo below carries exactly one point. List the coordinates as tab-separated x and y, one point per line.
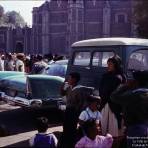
92	139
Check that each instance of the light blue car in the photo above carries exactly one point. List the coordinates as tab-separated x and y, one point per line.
34	91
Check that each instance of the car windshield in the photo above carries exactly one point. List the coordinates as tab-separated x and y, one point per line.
56	70
45	89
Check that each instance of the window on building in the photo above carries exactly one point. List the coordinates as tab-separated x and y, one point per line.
34	18
40	19
121	18
2	40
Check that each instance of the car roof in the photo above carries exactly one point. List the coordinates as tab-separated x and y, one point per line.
60	62
4	74
14	82
46	77
19	82
111	42
22	78
17	78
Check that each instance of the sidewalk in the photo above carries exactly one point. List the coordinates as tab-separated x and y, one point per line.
21	140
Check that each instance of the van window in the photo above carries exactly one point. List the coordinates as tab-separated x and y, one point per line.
138	60
82	58
100	58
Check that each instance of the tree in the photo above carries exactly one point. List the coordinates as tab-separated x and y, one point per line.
11	18
1	15
141	17
1	11
15	18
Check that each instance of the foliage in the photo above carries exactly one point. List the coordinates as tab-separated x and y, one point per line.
1	11
141	18
11	18
15	18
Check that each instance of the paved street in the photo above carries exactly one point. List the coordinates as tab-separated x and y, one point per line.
19	124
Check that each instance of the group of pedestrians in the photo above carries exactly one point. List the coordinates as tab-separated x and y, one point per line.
12	62
34	64
120	110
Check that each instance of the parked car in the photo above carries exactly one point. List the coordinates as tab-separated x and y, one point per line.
4	74
34	91
89	57
57	68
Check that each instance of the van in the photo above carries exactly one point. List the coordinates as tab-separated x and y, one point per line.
89	57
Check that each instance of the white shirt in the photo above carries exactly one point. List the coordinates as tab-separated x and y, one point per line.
20	66
31	140
1	65
89	114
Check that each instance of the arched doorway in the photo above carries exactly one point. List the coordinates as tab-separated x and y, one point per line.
19	47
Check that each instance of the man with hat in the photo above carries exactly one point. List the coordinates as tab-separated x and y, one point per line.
134	100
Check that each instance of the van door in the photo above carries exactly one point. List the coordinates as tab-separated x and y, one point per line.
80	62
91	63
99	65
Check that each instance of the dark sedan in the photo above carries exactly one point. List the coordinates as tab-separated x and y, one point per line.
33	90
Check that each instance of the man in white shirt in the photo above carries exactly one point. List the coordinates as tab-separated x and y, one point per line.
1	63
19	65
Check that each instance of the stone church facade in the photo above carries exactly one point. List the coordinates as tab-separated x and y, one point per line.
15	39
59	23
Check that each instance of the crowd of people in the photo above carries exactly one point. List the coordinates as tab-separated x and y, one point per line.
120	110
83	106
33	64
96	121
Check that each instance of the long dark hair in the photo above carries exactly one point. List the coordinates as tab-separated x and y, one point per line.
116	60
117	64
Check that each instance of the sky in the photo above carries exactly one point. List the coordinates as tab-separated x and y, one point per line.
24	7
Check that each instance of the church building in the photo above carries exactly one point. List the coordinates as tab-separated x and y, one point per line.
59	23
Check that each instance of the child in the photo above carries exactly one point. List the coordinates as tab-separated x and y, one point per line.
92	138
91	112
42	139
